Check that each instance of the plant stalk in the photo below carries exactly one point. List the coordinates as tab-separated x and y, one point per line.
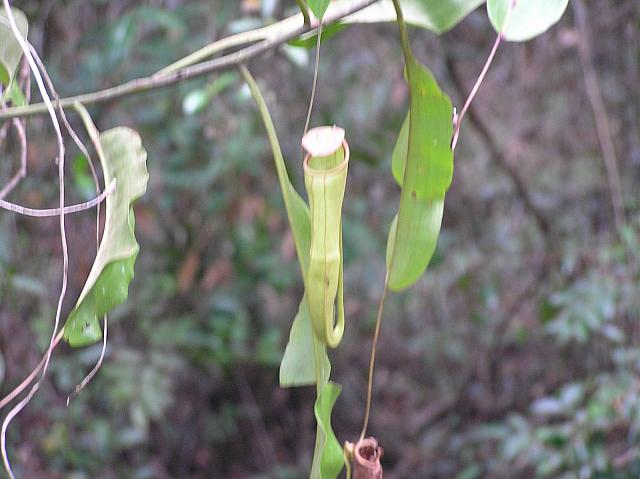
287	29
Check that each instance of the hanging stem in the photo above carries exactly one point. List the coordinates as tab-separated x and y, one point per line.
63	238
408	56
42	213
315	81
372	360
483	73
305	11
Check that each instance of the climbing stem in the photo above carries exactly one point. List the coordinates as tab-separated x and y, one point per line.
404	36
305	11
372	360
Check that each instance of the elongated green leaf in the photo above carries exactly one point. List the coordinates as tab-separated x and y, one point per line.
422	164
297	350
318	7
529	18
332	458
421	226
123	159
297	209
10	51
297	367
436	15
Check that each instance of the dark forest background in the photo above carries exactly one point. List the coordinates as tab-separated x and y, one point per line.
516	356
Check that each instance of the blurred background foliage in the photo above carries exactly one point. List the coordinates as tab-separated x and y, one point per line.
517	355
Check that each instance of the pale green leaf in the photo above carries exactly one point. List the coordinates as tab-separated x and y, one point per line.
428	158
300	222
399	155
318	7
123	159
196	100
422	164
424	169
528	19
297	367
15	95
297	209
332	457
417	239
10	51
436	15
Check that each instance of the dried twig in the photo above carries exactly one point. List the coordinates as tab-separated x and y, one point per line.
498	156
600	116
65	257
285	30
80	386
483	73
21	387
315	81
42	213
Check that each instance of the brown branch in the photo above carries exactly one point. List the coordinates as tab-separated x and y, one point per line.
291	27
600	116
42	213
498	156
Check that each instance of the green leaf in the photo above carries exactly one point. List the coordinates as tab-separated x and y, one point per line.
332	457
528	19
310	39
10	50
422	164
399	155
297	367
15	95
436	15
196	100
300	222
417	240
318	7
124	159
297	209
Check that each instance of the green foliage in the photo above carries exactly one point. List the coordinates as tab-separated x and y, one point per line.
300	222
332	459
123	160
196	100
422	164
297	369
318	7
586	308
437	16
10	50
571	430
310	40
528	19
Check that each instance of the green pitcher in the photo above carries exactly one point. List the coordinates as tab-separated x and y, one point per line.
325	178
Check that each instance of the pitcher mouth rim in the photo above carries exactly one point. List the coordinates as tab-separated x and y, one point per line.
339	167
